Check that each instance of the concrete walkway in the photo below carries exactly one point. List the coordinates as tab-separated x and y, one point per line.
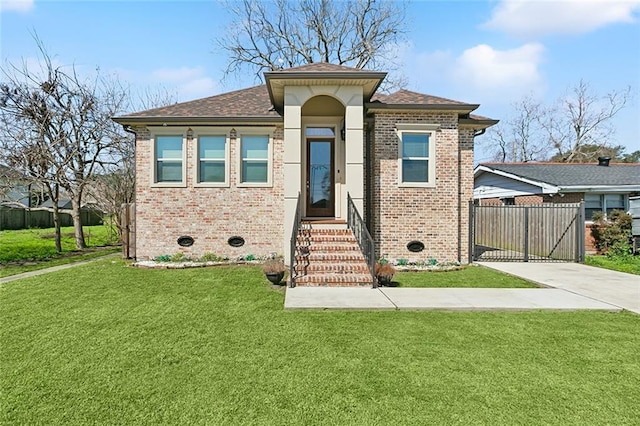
569	287
612	287
52	269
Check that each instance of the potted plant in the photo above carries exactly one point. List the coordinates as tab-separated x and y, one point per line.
384	272
274	270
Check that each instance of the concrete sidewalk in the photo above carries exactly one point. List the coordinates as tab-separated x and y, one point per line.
53	269
465	299
568	286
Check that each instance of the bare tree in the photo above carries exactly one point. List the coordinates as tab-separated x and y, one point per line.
115	186
575	129
583	118
521	138
271	35
57	128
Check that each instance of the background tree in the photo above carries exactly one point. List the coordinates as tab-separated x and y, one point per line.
57	129
583	118
114	186
521	138
271	35
576	128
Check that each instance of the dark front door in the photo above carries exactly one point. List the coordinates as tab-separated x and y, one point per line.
320	182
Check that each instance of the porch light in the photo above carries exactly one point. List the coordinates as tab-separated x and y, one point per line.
233	134
189	133
342	133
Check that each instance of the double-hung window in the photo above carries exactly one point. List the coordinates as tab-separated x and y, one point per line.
169	159
255	154
416	158
212	160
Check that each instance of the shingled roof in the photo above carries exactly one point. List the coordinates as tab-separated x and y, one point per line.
255	104
567	175
252	102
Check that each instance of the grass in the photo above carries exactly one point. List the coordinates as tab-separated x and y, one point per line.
109	344
31	249
470	276
630	264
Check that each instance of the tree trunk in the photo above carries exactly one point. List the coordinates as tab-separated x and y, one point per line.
54	194
77	223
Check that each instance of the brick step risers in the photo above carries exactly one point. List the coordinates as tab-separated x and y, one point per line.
330	257
304	231
334	280
336	257
332	267
325	239
329	248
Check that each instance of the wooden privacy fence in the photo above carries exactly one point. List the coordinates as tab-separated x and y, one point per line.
128	226
546	232
16	218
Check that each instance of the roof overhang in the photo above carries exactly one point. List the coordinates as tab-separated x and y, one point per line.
476	124
185	121
278	80
621	189
373	107
546	188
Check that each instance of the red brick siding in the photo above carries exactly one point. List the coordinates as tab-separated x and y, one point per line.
436	216
209	215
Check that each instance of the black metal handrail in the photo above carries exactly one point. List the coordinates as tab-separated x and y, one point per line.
297	220
360	231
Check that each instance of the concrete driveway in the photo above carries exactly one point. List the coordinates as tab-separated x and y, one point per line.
615	288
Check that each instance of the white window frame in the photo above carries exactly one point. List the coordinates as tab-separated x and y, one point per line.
168	131
211	131
421	128
254	132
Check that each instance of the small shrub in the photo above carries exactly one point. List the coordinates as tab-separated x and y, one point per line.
179	257
382	261
249	257
273	266
402	262
212	257
162	258
611	233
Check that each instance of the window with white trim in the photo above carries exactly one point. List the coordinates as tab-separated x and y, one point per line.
212	158
169	159
416	158
255	160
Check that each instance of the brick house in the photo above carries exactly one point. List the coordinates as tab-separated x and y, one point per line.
239	164
603	187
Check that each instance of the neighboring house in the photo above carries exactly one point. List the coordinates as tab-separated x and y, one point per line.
603	187
14	188
234	165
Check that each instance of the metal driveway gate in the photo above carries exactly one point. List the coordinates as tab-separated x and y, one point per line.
538	233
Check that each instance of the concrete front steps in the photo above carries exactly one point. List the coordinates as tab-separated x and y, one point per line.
328	255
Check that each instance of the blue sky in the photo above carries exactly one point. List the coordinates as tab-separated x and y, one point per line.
487	52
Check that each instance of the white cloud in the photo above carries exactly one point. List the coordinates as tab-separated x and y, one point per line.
480	74
538	18
22	6
487	71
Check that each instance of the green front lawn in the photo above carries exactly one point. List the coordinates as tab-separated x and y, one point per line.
110	344
31	249
630	264
470	276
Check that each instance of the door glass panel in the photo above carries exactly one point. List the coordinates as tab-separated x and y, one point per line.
319	174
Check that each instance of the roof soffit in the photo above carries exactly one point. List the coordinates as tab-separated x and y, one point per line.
277	81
